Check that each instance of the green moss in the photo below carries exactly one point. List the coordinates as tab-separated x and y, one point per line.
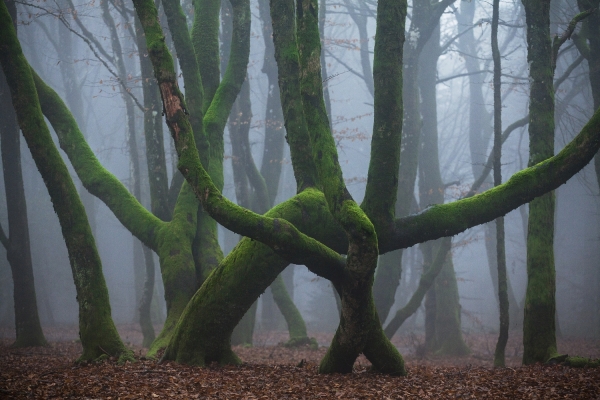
539	339
382	183
126	356
302	342
205	38
452	218
202	334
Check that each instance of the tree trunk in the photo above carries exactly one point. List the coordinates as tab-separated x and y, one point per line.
444	335
539	336
18	253
501	256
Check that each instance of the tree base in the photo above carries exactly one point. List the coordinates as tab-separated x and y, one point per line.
301	342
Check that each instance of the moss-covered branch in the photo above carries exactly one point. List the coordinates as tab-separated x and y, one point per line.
96	179
205	327
452	218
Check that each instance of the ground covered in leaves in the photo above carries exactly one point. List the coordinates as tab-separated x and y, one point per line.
271	371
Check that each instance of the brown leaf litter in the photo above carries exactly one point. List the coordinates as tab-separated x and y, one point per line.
276	372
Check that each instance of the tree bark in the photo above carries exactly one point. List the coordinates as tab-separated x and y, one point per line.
18	251
539	336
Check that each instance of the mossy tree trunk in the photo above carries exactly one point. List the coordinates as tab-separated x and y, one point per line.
539	327
539	336
425	17
18	251
96	328
359	329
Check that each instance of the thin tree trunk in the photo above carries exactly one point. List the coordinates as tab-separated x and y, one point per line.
499	360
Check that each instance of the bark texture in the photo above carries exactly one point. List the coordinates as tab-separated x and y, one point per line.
539	326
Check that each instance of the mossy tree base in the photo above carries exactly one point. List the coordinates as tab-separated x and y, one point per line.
296	342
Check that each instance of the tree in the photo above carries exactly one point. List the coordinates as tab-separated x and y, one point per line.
539	326
314	227
18	253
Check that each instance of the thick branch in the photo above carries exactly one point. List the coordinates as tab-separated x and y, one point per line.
96	179
452	218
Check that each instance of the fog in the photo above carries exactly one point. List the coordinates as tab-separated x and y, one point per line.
103	120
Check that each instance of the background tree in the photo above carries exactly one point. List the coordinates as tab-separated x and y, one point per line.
27	321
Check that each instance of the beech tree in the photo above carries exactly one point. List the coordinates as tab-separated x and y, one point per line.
322	227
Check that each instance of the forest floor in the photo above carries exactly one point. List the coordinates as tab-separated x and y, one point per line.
271	371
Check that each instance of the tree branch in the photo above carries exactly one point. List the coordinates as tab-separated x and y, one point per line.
452	218
559	40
